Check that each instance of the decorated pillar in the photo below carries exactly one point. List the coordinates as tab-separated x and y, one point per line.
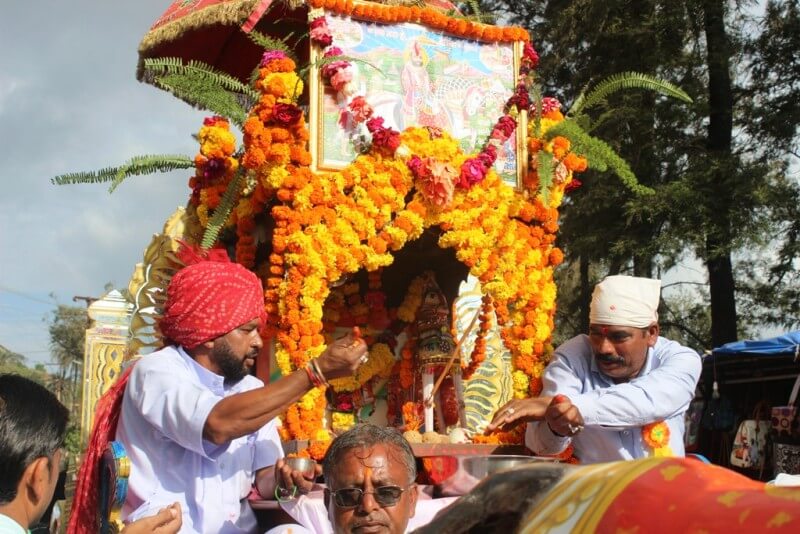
104	352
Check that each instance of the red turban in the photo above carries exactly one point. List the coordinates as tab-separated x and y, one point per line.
208	299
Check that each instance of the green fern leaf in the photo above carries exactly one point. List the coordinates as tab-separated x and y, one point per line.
270	43
202	94
222	212
626	80
156	67
545	168
136	166
599	154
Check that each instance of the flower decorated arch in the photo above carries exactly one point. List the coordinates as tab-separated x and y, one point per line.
322	228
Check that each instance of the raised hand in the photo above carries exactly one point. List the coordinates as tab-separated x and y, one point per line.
518	411
563	417
343	356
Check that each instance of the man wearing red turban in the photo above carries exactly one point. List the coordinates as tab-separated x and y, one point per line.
198	428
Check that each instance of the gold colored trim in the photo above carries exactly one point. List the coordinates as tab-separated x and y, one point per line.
522	124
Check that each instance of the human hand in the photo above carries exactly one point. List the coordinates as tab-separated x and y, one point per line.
518	411
289	481
563	417
343	356
167	521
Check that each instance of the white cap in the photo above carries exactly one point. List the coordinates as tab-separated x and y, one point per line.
625	301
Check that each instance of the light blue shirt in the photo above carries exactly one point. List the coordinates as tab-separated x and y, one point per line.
9	526
165	407
615	413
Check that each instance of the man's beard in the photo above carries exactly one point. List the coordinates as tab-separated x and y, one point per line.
232	368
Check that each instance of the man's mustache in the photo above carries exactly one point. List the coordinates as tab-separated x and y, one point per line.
609	358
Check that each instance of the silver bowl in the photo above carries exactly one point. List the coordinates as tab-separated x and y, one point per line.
470	470
304	465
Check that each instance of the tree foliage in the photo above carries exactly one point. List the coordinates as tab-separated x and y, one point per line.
721	196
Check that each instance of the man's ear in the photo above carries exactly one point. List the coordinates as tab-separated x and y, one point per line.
36	481
652	334
413	494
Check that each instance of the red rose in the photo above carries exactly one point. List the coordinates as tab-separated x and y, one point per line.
286	114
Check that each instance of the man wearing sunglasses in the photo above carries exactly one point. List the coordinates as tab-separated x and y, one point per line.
370	473
618	393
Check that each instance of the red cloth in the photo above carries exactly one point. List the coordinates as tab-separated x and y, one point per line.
208	299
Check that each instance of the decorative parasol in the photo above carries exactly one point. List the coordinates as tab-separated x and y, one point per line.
215	32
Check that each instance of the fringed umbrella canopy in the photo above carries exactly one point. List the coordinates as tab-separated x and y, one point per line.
215	32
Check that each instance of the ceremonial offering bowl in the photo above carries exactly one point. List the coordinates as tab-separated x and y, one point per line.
457	475
304	465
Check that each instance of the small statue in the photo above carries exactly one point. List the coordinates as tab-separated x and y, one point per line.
435	345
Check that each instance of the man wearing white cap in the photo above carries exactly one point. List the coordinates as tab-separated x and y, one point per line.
618	393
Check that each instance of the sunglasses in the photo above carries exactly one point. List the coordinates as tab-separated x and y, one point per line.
384	496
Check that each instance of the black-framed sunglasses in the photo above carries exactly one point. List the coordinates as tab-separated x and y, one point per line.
383	495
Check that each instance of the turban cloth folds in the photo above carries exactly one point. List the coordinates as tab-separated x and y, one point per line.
625	301
208	299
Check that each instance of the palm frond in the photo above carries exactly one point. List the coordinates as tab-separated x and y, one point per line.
201	93
222	211
626	80
136	166
599	154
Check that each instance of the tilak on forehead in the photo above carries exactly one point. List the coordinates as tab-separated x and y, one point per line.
625	301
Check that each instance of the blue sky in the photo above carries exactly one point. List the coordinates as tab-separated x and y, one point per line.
70	101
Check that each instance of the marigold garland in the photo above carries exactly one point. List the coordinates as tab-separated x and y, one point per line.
329	226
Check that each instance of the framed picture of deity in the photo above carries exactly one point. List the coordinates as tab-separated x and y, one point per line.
411	75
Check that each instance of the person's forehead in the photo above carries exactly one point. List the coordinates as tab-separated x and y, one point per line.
607	328
378	462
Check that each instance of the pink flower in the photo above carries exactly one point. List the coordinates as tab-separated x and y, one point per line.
416	166
530	56
333	51
320	33
488	157
271	55
211	121
286	114
472	172
329	69
375	123
438	183
386	140
340	79
360	108
506	124
549	104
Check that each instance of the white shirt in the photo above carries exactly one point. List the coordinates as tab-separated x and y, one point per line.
614	414
9	526
167	401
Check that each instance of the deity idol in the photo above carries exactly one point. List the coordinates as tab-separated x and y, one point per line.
435	345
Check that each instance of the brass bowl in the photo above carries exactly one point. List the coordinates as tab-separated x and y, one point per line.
457	475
